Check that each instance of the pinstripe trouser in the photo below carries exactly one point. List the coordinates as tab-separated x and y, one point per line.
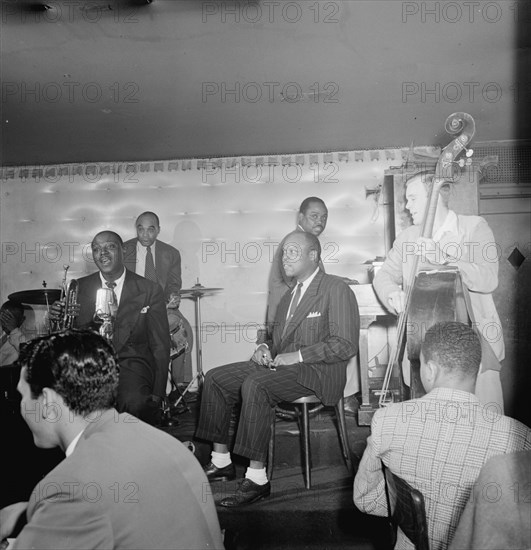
259	390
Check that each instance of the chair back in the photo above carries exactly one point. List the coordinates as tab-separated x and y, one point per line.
406	509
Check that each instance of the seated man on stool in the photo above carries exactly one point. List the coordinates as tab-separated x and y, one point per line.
315	333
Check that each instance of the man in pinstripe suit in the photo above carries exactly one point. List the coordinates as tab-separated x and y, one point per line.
315	333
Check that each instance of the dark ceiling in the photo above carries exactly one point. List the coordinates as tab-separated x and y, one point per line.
129	80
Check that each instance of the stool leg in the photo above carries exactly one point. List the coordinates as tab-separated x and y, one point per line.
306	445
271	451
343	434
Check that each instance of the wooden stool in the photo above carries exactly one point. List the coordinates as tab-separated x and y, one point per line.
304	425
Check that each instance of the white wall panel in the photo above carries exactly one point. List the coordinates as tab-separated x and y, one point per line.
224	215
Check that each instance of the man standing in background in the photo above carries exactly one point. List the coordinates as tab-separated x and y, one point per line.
161	263
154	259
312	218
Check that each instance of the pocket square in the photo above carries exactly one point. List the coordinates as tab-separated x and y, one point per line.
145	309
314	314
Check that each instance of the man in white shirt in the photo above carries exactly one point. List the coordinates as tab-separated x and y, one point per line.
465	242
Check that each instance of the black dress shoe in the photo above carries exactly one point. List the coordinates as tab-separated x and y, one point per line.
214	473
247	492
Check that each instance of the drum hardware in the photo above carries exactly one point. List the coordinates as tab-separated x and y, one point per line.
196	293
39	296
47	296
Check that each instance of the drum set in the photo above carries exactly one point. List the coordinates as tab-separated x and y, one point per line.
36	323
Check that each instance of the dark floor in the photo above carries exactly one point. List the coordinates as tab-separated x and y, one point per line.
293	517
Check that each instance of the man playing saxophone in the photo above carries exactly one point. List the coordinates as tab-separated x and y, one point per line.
140	332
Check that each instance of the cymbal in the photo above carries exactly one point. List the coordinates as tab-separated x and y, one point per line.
197	290
39	296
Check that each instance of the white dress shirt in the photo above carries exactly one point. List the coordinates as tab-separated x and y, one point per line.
119	285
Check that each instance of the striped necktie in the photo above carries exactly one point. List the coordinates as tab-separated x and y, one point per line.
112	286
150	272
293	307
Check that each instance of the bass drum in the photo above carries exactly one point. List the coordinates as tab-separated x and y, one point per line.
181	339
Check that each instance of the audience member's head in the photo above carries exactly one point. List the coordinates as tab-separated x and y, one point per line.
313	215
11	316
450	357
301	254
147	228
64	376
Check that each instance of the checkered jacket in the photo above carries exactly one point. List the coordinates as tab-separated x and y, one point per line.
438	444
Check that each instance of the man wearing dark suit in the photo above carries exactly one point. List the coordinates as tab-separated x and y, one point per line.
315	334
166	258
141	335
161	263
123	484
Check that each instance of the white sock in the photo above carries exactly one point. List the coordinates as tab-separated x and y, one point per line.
220	460
257	475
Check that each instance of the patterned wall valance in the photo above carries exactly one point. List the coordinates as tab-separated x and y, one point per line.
92	171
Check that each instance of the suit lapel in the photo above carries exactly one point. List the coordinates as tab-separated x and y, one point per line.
160	263
131	303
130	255
304	307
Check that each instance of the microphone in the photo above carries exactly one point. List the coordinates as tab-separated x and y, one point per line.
105	310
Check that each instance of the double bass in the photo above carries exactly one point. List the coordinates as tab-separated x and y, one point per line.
438	294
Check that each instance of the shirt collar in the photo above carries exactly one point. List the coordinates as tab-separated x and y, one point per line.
118	281
141	249
449	394
73	443
306	283
448	226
